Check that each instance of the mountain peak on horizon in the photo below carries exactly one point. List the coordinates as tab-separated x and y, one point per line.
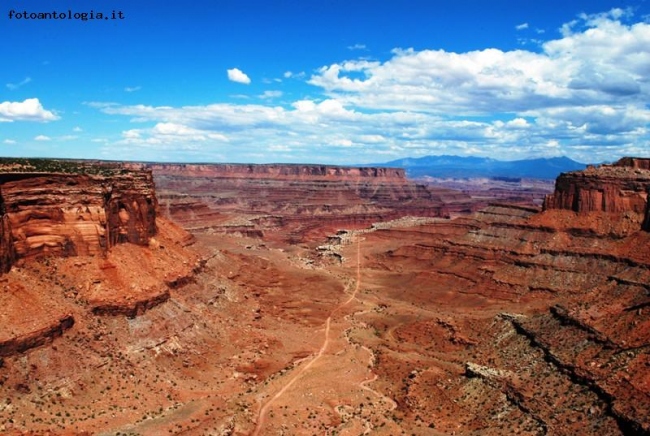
450	166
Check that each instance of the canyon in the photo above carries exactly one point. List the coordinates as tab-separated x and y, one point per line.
310	299
306	202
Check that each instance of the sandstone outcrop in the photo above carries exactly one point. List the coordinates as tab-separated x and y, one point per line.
74	212
633	162
578	277
36	338
618	188
572	358
280	171
306	202
504	321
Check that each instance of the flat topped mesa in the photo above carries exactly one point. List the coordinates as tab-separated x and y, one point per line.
619	188
69	208
280	171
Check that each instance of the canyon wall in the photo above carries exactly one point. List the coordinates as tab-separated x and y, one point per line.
565	351
618	188
279	171
73	213
305	201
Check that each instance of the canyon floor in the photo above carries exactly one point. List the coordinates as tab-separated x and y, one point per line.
504	321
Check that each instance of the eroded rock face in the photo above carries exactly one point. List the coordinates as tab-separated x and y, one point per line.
306	201
74	214
633	162
501	322
567	352
618	188
131	209
279	171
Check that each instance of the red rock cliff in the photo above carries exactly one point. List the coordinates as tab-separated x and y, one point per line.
306	201
280	171
74	214
633	162
617	188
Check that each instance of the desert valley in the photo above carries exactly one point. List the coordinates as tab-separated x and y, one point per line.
230	299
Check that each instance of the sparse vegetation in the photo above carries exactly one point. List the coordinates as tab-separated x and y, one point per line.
61	166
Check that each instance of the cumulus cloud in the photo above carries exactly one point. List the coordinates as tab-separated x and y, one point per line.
132	88
607	61
28	110
271	94
9	141
521	26
584	94
237	75
170	136
42	138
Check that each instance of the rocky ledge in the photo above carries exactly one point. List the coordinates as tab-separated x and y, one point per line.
568	351
306	202
69	208
620	188
279	171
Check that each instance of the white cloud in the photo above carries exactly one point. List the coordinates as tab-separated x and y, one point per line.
372	139
132	88
170	136
9	141
271	94
341	142
13	86
28	110
77	129
292	75
42	138
584	94
604	63
357	47
131	134
521	26
279	147
179	130
236	75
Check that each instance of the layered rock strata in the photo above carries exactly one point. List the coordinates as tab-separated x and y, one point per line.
567	351
571	354
305	201
43	297
35	338
68	214
279	171
508	321
51	209
618	188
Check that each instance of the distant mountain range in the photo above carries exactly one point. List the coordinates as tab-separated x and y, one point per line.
475	167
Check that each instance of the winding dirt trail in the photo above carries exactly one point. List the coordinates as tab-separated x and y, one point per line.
261	416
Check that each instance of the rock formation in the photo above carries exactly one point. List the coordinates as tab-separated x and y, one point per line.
571	356
291	172
507	320
306	201
73	213
617	188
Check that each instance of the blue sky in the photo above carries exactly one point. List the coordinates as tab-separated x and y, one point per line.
325	81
